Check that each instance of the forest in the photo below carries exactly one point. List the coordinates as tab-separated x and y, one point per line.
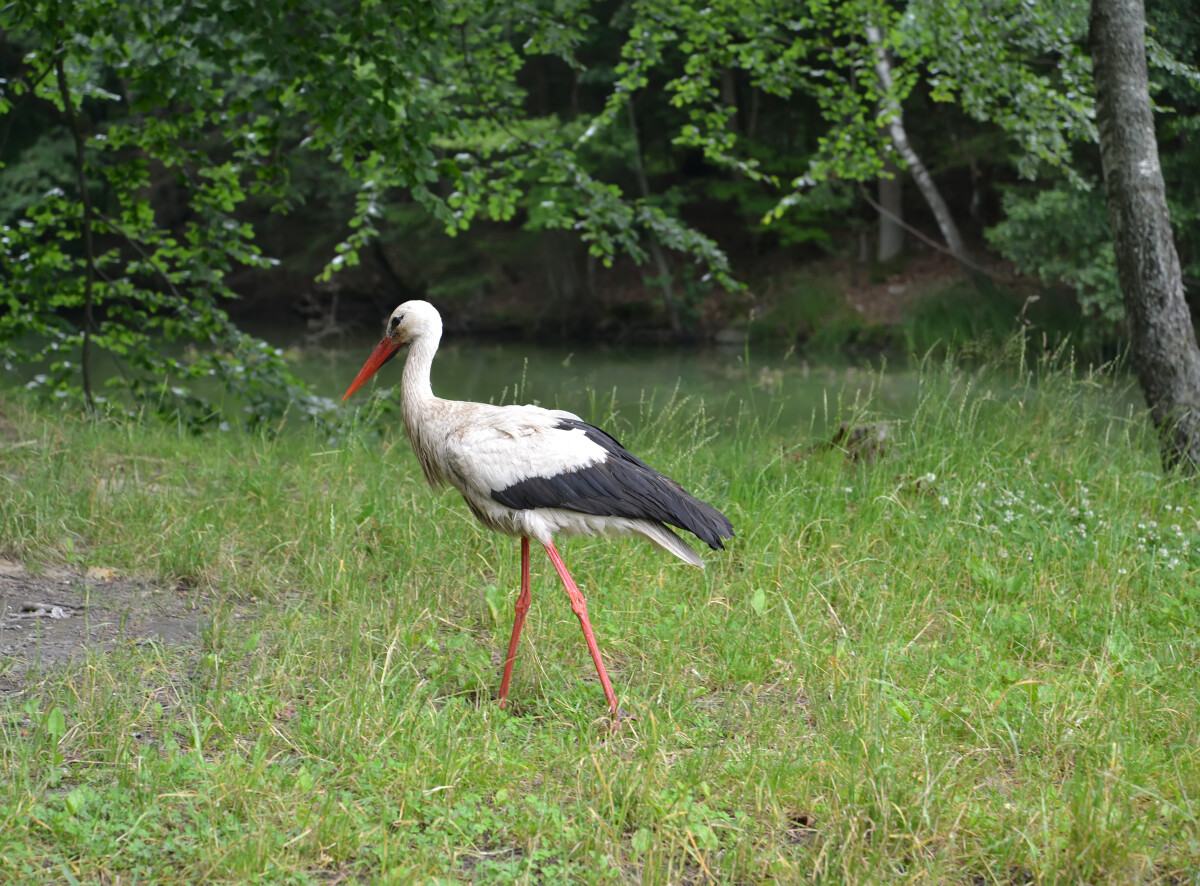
826	175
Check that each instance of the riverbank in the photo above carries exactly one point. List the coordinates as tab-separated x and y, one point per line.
824	305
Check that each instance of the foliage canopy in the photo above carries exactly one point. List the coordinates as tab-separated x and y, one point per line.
138	137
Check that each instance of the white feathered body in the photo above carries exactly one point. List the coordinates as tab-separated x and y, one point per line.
540	473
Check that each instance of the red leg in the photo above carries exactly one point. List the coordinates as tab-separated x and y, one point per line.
579	607
518	621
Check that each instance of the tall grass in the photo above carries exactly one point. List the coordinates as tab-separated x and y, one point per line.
972	660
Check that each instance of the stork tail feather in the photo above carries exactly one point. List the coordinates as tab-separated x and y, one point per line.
664	538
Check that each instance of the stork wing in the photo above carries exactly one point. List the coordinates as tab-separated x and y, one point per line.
542	459
492	448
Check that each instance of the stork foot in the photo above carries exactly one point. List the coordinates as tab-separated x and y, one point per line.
620	717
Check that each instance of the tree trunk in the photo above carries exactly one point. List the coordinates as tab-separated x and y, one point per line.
89	253
894	120
891	232
1163	339
656	252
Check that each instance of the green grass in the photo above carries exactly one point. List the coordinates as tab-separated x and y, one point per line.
974	660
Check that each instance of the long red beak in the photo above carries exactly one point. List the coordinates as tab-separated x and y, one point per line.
384	351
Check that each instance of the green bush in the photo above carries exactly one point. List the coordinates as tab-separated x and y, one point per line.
1061	235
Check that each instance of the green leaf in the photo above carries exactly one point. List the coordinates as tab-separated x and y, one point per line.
55	723
758	601
77	800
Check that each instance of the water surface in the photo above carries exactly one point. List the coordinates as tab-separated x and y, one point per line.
586	379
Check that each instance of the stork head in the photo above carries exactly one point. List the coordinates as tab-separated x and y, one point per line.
410	322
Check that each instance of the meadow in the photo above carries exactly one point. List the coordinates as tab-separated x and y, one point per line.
972	658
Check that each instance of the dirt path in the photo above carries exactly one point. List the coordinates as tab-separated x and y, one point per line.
51	617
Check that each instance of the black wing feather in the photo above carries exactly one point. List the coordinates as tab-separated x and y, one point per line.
620	486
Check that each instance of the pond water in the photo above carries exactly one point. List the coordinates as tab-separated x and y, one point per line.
797	395
767	381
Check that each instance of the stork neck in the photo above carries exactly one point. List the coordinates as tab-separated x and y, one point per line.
415	384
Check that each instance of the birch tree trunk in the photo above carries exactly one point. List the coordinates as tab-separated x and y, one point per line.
894	121
1163	340
891	198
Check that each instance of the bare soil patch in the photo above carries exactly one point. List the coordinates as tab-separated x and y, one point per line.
53	617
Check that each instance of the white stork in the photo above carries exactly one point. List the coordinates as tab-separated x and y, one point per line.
535	473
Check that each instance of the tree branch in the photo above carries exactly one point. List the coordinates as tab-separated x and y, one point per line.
929	241
88	250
